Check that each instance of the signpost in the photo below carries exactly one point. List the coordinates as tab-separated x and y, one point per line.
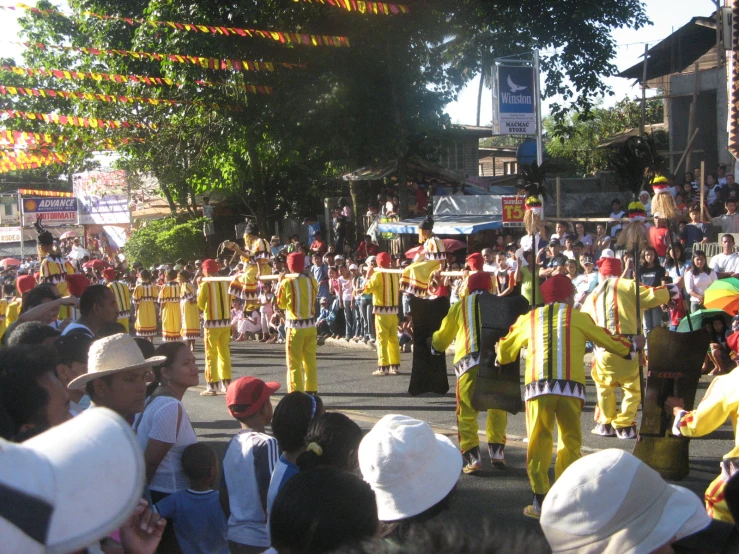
513	210
50	210
11	234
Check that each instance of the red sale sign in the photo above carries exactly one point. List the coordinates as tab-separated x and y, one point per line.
513	210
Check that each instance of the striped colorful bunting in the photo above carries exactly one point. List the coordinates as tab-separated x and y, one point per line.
74	121
376	8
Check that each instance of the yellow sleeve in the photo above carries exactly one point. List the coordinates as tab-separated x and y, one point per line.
282	297
448	330
711	413
651	297
137	292
600	336
203	296
372	284
314	288
516	339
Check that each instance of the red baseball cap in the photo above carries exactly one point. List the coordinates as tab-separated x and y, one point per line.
249	392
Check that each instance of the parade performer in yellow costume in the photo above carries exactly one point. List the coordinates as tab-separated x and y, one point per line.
297	296
122	296
474	263
54	268
190	313
555	336
385	290
255	256
169	303
612	305
721	402
462	325
416	277
215	302
144	296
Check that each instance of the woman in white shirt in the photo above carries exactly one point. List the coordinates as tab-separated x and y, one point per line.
697	279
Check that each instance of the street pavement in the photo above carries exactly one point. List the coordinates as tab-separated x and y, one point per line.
346	384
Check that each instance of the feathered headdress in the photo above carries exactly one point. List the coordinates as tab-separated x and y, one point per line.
535	188
635	231
662	203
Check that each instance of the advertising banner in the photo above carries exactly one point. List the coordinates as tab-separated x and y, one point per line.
516	110
513	210
103	197
50	210
10	234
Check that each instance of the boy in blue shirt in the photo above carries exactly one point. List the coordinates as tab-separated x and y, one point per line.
197	514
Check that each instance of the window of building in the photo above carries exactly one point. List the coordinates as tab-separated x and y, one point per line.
452	157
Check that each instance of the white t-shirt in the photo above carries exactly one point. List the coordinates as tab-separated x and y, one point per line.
725	263
616	225
346	289
698	283
84	329
159	422
265	299
247	467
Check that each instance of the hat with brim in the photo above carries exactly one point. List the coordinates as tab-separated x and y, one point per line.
409	467
250	393
70	486
111	355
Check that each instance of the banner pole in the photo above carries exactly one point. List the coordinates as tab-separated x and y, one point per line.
537	100
20	215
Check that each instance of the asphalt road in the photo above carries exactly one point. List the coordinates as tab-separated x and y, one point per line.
346	384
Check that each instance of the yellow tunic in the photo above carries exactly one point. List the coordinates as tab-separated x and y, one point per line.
461	325
14	310
297	295
190	313
385	289
144	296
53	270
169	302
122	298
555	335
215	302
3	316
434	248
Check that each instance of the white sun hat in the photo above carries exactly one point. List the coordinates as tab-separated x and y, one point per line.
409	467
112	355
70	486
611	502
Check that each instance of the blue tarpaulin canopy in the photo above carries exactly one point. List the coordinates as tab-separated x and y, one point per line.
445	224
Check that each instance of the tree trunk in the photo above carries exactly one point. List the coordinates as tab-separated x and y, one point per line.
402	143
479	96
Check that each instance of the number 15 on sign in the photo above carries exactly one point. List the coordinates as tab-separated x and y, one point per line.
513	210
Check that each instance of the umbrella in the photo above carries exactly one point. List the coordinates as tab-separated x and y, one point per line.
78	253
700	317
723	294
450	245
95	264
69	235
10	261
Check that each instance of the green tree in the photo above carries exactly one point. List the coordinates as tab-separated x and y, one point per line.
166	240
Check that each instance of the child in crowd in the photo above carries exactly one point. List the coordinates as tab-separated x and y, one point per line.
676	307
332	440
266	309
505	279
199	521
290	422
322	325
237	317
277	326
248	464
251	325
405	333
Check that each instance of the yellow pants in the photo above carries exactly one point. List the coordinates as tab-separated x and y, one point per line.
301	359
715	503
388	347
217	354
610	372
542	413
125	322
64	311
467	416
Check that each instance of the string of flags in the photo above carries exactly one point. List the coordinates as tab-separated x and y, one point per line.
7	166
282	37
28	139
21	157
199	61
87	122
376	8
109	98
115	78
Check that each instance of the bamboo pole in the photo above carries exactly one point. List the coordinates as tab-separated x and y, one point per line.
559	196
691	115
273	277
687	149
703	190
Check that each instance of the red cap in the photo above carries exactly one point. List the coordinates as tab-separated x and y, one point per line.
77	284
609	267
210	267
475	261
383	260
249	393
109	274
478	281
296	262
556	288
24	283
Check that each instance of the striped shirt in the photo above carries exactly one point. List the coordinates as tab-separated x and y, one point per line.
145	292
461	325
247	467
122	297
297	296
169	293
214	301
434	248
53	269
385	291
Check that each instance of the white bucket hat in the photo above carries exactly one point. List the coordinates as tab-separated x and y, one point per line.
111	355
409	467
70	486
610	502
607	253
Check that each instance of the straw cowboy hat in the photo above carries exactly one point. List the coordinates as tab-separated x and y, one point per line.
111	355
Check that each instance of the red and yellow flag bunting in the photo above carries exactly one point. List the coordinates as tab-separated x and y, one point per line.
74	121
7	166
376	8
45	156
199	61
36	192
94	96
27	139
111	77
278	36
